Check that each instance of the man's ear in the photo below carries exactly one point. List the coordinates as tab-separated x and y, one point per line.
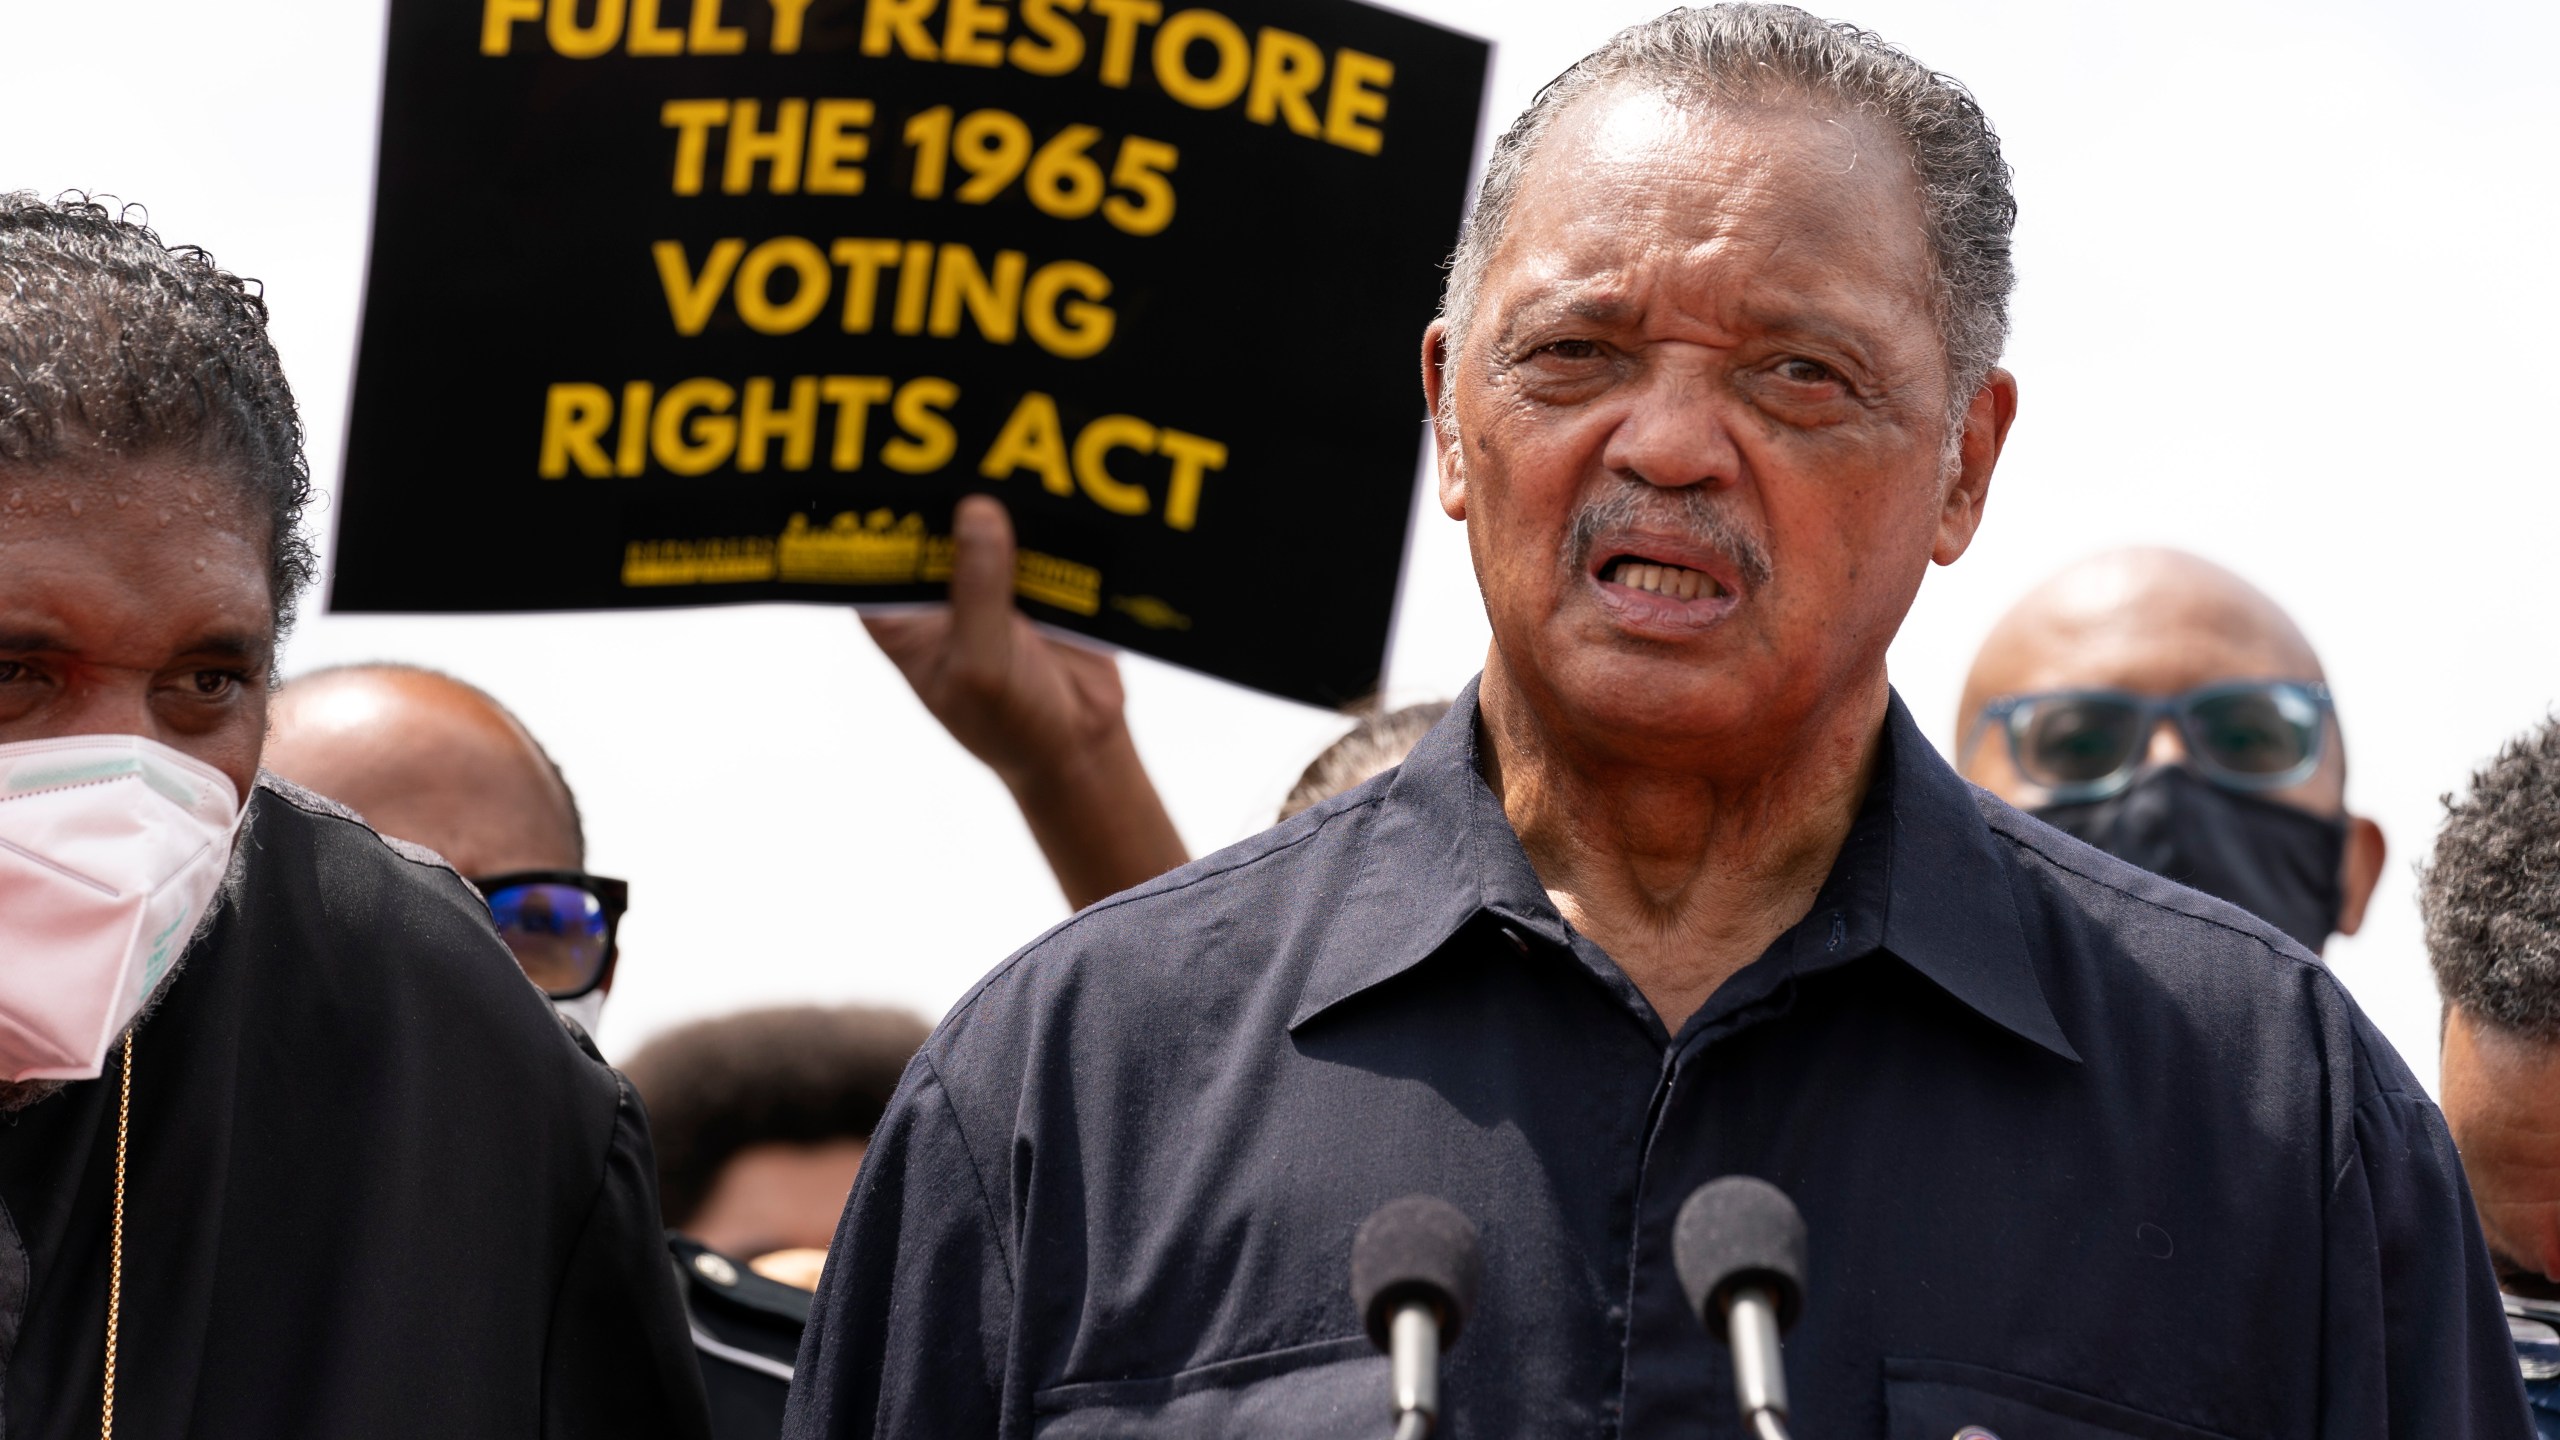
1448	459
1986	430
2359	871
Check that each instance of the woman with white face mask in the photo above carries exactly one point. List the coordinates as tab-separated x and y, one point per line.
287	1145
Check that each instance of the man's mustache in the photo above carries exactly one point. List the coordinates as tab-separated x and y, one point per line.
1711	520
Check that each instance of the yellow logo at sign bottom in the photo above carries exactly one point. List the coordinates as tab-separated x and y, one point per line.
876	549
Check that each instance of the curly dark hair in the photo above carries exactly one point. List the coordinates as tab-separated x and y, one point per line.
2491	895
116	344
797	1075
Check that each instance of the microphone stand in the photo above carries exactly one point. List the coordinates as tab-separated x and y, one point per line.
1751	1325
1414	1336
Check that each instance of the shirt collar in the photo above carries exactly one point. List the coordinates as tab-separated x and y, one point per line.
1439	852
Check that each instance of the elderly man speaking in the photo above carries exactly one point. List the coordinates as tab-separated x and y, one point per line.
1678	891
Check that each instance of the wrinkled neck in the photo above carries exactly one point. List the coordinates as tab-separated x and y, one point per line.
1685	861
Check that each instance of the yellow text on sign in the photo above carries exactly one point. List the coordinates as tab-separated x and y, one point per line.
1198	56
699	425
782	285
813	146
1060	175
1034	440
585	29
820	146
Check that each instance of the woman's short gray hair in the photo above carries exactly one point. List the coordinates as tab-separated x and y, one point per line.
1747	53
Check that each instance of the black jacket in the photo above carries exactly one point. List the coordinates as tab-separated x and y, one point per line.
375	1186
747	1330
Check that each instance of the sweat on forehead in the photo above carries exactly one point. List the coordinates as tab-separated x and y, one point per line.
171	490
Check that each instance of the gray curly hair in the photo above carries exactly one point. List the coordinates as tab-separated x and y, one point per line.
2491	895
116	344
1747	53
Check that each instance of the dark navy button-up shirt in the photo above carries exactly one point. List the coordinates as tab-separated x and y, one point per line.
2082	1154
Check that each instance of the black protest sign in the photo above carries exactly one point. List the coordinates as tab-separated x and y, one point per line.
684	302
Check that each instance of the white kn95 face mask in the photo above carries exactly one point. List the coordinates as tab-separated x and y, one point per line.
587	1010
111	848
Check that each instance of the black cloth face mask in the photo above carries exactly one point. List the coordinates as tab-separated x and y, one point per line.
2270	859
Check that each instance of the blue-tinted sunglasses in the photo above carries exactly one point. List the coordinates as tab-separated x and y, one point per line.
2088	744
561	925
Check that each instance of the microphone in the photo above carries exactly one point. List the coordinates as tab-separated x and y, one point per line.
1414	1268
1739	1244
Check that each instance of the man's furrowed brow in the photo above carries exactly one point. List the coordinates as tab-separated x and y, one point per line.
246	646
1804	322
1605	309
1870	358
241	645
24	641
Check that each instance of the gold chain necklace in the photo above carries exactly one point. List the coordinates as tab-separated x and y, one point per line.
115	1247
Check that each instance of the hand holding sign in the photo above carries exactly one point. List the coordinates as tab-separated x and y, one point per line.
1045	715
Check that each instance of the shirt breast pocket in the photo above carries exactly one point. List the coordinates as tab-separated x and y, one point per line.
1322	1391
1945	1400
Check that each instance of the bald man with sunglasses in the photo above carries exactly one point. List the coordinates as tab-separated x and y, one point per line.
2166	711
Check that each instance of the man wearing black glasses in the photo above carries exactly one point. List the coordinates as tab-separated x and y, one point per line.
439	763
2166	711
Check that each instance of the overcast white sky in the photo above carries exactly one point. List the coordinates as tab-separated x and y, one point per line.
2287	300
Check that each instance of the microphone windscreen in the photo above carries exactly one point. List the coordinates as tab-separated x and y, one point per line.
1734	1231
1416	1248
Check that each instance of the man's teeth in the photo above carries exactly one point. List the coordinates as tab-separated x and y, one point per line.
1669	580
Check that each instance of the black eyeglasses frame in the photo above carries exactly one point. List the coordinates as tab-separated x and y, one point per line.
612	896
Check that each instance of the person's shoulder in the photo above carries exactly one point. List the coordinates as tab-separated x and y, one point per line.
1272	863
746	1336
1205	937
398	930
346	889
2139	950
303	835
2146	914
736	1304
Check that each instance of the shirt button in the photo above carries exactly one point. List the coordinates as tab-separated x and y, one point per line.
1975	1432
715	1269
1617	1314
